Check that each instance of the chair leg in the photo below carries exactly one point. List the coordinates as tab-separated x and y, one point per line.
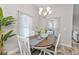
44	51
50	51
55	53
40	52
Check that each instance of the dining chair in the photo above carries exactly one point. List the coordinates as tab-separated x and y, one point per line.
24	45
56	45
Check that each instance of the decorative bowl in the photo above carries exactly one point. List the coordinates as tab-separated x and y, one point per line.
44	35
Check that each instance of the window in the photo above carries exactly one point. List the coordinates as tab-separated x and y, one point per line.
54	25
24	25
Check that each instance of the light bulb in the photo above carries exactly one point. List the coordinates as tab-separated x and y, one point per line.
40	9
45	13
48	8
39	13
50	11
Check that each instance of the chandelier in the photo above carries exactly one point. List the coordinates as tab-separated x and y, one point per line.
45	12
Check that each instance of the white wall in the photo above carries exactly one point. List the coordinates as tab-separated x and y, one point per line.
65	13
66	24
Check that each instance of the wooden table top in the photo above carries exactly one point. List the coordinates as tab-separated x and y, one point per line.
46	42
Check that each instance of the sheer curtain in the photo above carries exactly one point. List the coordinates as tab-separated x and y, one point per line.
24	24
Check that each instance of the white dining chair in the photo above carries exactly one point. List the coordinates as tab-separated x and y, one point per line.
24	45
56	45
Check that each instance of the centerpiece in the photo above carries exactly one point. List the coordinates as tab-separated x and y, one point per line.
42	32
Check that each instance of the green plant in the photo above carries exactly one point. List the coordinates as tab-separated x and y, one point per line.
41	30
5	21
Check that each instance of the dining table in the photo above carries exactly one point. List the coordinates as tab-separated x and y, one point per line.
37	41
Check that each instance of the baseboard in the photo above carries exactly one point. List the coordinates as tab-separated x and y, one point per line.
13	51
66	45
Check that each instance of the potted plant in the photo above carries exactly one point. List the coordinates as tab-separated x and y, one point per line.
41	32
5	21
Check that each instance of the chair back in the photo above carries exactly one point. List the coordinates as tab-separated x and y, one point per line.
57	42
24	45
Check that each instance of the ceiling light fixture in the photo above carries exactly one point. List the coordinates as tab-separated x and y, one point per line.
45	12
